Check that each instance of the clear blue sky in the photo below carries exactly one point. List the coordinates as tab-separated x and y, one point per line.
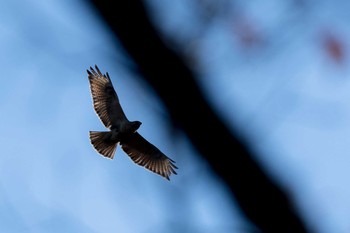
288	96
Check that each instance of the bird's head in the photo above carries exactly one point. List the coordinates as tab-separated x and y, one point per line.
135	125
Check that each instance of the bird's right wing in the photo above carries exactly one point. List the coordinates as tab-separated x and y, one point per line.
105	99
147	155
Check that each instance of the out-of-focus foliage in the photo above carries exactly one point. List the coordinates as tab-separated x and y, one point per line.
276	70
279	72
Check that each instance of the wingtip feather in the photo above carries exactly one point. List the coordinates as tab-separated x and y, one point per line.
98	70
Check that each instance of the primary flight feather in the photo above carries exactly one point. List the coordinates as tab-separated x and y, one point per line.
121	130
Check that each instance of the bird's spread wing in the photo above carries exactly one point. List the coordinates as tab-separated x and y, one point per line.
147	155
105	99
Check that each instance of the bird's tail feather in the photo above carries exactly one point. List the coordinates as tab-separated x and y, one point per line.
103	143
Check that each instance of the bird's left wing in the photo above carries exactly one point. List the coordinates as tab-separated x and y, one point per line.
147	155
106	102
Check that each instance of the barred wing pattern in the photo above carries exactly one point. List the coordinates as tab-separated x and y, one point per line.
147	155
105	99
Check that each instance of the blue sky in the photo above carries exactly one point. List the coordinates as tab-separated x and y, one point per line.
287	97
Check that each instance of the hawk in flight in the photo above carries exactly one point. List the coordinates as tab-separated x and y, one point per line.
121	130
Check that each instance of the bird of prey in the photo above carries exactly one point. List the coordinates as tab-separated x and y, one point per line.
121	130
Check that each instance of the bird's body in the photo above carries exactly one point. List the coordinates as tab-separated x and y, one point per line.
122	131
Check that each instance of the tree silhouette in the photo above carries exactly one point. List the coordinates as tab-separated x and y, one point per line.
263	202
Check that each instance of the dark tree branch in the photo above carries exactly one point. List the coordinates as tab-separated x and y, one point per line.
262	201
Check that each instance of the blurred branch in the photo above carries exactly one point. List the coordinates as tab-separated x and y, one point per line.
261	200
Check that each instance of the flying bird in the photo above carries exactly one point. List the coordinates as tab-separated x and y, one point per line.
121	130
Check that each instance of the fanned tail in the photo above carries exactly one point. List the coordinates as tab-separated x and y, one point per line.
103	143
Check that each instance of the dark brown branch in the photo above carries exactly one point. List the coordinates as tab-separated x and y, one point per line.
261	200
